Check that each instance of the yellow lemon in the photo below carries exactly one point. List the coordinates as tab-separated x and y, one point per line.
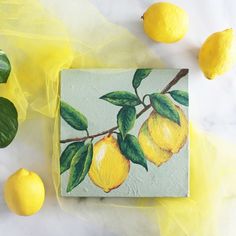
24	192
218	53
109	167
167	134
165	22
151	150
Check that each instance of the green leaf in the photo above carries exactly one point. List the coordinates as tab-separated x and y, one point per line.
140	75
165	107
126	119
68	154
180	96
5	67
132	150
121	98
73	117
8	122
80	165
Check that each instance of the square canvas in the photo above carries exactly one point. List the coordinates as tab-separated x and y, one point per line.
124	133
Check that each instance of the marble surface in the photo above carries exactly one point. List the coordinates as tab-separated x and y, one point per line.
213	108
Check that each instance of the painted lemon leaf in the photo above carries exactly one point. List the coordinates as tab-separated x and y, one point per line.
165	107
68	154
180	96
140	75
132	150
73	117
121	98
126	119
80	165
8	122
5	67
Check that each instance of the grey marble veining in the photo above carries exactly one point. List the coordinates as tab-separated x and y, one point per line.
212	108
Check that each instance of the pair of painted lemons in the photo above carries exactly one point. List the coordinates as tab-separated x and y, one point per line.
159	138
167	23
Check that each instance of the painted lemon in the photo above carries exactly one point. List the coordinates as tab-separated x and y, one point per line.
218	53
109	168
24	192
167	134
165	22
151	150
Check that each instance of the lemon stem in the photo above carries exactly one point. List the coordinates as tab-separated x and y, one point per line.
147	95
87	132
136	92
174	81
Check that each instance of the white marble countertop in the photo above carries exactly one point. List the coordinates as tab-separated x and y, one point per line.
212	107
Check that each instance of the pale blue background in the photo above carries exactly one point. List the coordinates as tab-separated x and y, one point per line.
82	89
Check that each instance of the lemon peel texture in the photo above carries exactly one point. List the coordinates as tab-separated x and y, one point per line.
151	150
109	168
167	134
165	22
218	53
24	192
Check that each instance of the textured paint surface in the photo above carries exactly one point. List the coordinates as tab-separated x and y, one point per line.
82	89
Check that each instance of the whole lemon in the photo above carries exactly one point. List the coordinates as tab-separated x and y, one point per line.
151	150
165	22
24	192
109	168
218	53
167	134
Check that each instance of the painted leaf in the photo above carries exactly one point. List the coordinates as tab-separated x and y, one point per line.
140	75
126	119
121	98
180	96
68	154
5	67
80	165
132	150
73	117
8	122
165	107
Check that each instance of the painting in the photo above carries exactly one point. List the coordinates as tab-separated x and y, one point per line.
124	133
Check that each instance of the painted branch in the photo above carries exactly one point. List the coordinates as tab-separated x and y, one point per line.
174	81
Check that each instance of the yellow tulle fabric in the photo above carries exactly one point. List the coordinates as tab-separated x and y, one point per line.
39	45
212	181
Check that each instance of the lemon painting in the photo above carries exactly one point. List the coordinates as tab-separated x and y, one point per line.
124	133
